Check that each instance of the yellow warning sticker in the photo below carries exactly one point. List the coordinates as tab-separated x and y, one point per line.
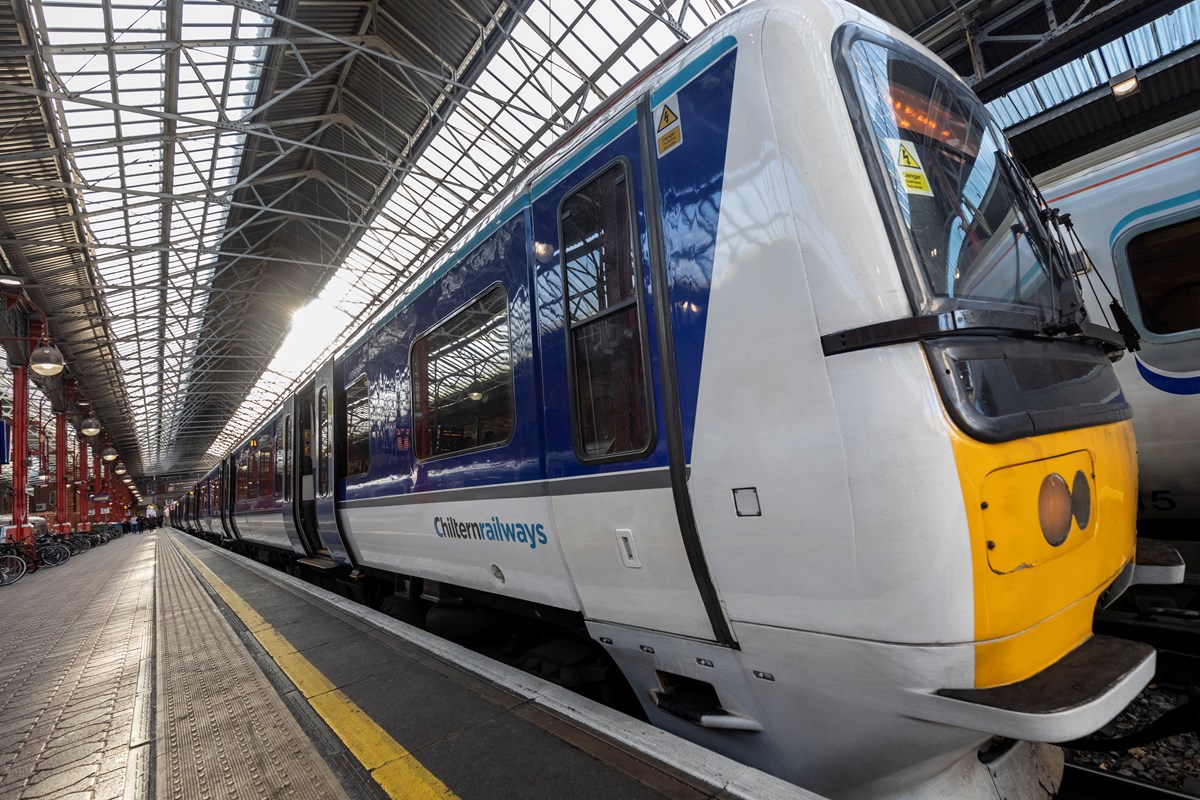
908	163
669	140
666	118
669	128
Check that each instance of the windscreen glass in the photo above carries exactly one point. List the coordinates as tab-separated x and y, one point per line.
941	161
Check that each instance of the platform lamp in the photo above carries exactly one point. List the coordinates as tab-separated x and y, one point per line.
120	469
90	426
109	454
46	360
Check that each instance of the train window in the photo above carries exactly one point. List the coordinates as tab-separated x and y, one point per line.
462	380
251	457
945	184
612	415
1166	276
287	458
266	466
322	465
280	449
358	428
243	474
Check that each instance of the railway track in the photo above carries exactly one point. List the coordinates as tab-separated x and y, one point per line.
1086	783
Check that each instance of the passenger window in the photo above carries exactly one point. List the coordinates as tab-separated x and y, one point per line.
1166	276
600	277
358	428
323	442
266	466
463	381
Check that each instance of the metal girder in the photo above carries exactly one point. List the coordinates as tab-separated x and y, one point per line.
999	46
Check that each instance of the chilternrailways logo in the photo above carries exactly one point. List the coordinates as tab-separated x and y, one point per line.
493	530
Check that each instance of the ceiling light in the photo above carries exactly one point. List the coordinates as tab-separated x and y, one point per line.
11	280
109	454
90	426
1124	85
46	360
120	469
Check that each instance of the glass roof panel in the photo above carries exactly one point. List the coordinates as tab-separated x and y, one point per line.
495	130
145	229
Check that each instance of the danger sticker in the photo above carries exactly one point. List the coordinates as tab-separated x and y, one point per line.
668	127
912	172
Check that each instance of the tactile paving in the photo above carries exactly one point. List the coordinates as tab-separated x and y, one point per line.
223	730
75	647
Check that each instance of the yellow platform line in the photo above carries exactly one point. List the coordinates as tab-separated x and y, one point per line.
395	769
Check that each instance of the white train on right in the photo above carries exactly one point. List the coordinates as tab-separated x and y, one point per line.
1136	208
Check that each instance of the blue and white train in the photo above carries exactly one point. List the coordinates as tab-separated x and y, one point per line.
768	378
1136	207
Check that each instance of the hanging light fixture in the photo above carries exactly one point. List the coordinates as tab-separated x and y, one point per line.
120	469
109	454
90	426
46	360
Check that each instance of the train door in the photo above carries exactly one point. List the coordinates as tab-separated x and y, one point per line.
226	494
298	508
326	484
615	455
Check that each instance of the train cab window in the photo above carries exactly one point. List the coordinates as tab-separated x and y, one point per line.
287	458
322	465
604	336
358	428
1166	276
462	378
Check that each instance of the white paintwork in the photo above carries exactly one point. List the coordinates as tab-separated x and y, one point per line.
263	527
662	594
402	538
1099	191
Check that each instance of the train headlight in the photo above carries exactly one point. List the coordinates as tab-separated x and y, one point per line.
1054	509
1081	499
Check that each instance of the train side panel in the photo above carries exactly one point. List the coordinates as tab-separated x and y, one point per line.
1115	196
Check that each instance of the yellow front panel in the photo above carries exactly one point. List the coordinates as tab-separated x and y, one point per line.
1033	602
1010	521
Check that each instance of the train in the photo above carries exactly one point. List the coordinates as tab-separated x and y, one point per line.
768	385
1136	208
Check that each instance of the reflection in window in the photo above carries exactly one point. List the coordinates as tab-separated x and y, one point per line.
280	447
358	428
266	465
611	413
1166	275
322	465
462	380
287	458
940	155
251	457
243	473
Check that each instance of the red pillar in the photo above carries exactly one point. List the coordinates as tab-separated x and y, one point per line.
81	489
62	523
23	532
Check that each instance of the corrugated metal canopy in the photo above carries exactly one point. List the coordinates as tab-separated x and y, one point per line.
206	195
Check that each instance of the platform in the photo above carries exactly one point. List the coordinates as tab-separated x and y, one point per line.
161	666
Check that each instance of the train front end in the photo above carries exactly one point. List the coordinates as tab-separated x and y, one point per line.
946	463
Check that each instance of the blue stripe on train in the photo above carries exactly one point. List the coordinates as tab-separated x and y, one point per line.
1172	384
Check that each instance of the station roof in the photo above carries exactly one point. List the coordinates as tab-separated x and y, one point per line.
205	196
